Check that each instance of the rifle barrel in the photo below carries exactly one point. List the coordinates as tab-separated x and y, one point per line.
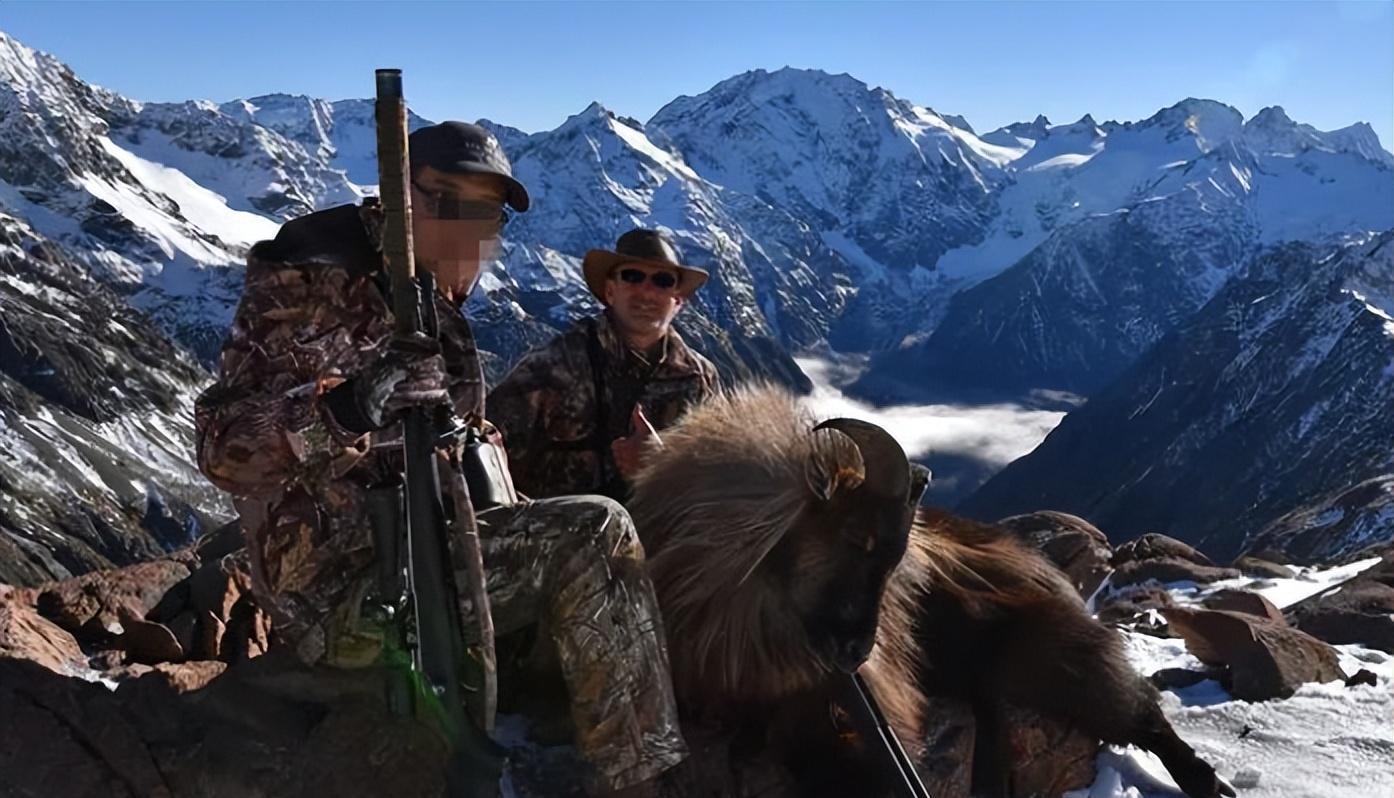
907	782
394	191
476	762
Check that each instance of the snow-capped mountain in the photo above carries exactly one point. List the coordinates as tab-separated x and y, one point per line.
889	185
340	137
96	423
830	214
161	200
144	227
265	168
1110	235
828	210
773	282
1265	419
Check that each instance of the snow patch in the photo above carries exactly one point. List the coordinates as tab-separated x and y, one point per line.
640	142
1326	741
207	211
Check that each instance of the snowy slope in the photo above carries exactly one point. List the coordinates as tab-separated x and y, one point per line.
1326	741
887	184
1276	398
96	424
1304	183
256	168
340	137
1110	235
160	236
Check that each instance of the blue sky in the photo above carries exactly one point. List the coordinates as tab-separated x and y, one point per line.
532	64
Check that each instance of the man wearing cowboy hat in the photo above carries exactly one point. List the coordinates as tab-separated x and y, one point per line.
578	413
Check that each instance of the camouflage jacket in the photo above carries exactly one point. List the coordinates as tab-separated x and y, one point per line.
558	437
314	311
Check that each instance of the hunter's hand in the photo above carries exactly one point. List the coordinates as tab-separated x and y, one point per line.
629	452
409	373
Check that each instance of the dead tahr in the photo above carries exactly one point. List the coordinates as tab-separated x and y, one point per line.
786	555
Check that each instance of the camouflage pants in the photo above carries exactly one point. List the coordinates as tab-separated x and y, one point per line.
573	564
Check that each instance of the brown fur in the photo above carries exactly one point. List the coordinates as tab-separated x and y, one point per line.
734	480
1002	626
739	492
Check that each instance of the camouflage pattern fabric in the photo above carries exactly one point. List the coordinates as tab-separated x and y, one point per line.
314	311
546	406
576	564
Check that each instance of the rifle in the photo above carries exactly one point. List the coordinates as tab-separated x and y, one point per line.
424	649
872	725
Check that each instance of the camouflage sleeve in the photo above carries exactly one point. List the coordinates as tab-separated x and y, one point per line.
711	380
522	406
262	425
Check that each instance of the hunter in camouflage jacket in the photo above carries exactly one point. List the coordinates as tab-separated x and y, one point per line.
558	434
313	312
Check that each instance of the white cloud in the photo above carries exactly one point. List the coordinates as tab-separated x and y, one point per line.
992	434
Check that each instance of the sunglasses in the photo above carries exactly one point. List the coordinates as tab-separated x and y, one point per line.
442	205
664	280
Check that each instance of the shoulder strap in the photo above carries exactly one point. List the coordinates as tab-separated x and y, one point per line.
600	439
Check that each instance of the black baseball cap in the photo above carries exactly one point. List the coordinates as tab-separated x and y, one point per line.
462	148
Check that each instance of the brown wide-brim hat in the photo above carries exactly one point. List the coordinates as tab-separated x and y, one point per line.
648	247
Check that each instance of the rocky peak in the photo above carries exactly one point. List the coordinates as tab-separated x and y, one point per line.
1208	122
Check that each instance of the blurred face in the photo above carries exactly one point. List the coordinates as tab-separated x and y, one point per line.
643	299
456	221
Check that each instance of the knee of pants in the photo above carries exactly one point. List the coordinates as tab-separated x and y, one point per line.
607	524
